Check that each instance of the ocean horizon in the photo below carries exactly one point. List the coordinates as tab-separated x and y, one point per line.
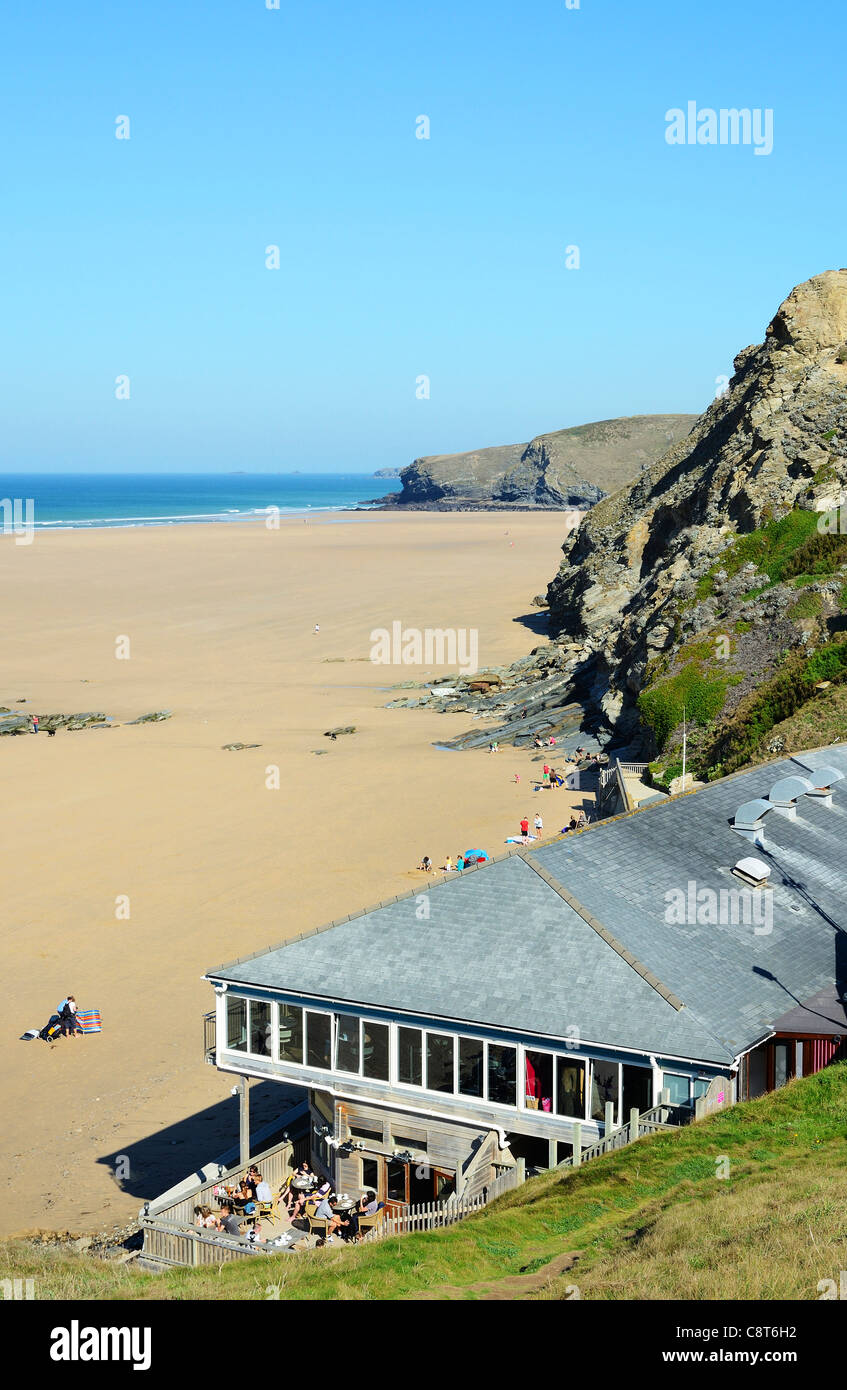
79	501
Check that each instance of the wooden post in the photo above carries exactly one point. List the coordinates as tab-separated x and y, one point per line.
244	1121
576	1131
633	1123
609	1118
699	1108
521	1170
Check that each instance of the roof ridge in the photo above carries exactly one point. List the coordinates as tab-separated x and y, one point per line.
603	932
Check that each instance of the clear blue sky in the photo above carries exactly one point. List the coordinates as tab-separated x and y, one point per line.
400	256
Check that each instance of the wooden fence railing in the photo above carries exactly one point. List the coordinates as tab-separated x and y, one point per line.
168	1223
431	1216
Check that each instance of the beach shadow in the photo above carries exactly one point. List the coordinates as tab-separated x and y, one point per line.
154	1164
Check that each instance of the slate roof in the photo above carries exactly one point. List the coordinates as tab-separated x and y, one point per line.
571	937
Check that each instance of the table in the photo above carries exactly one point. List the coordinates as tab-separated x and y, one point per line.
303	1184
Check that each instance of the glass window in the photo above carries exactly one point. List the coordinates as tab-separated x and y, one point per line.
409	1063
291	1033
570	1088
375	1050
700	1088
605	1085
502	1074
471	1069
260	1028
318	1040
370	1174
439	1062
677	1085
347	1046
236	1023
538	1081
396	1181
637	1089
445	1186
780	1064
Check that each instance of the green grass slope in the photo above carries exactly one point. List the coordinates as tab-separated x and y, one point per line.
749	1204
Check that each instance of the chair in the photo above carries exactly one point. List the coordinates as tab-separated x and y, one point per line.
317	1224
266	1211
369	1221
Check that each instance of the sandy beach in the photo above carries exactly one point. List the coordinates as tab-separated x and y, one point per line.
214	863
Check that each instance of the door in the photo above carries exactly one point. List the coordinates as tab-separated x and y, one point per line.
410	1184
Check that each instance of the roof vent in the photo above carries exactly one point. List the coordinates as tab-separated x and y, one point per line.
749	820
787	791
822	779
753	871
785	794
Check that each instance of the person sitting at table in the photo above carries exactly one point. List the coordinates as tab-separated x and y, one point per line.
243	1194
366	1206
252	1177
204	1219
324	1211
229	1221
262	1190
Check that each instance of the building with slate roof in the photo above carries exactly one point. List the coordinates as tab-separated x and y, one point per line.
693	947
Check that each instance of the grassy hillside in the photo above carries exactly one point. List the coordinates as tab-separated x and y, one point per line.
654	1221
776	603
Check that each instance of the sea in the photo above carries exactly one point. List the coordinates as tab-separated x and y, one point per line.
77	501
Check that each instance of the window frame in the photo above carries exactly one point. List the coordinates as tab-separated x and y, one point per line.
583	1058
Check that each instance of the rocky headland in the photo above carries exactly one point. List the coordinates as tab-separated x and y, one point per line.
566	469
714	584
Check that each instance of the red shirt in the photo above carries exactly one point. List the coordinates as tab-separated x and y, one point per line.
524	827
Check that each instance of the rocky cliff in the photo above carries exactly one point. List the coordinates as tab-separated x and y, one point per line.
571	468
643	574
714	585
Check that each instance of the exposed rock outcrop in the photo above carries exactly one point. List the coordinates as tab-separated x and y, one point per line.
571	468
712	564
628	585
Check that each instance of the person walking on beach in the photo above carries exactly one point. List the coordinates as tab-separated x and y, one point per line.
525	827
35	723
317	628
539	824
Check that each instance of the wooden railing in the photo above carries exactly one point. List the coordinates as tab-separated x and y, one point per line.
432	1216
167	1223
170	1237
662	1117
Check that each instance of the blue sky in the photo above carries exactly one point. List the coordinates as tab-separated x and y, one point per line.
399	257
